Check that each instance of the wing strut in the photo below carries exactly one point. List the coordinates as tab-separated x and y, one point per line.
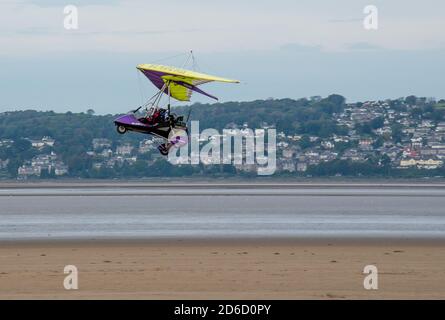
169	97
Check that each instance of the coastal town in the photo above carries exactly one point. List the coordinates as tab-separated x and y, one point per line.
374	131
417	143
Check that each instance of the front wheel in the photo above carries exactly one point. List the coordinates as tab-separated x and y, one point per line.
163	150
121	129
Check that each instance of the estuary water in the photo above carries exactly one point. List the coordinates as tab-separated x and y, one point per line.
227	212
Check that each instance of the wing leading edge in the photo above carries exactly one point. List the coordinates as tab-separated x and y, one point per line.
182	82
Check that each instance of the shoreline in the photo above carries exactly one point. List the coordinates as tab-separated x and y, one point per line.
228	183
198	241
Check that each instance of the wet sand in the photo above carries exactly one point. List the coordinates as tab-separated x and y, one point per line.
237	269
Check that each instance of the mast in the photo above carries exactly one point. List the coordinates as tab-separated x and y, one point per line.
169	97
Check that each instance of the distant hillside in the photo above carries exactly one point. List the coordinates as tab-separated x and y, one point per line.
291	116
299	116
322	137
74	132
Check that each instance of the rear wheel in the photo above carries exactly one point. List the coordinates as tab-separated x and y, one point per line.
121	129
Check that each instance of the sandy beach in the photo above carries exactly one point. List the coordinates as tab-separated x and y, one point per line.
244	269
222	241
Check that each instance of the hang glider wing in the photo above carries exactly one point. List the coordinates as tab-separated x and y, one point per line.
182	82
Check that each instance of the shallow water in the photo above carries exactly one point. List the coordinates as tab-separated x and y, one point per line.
172	212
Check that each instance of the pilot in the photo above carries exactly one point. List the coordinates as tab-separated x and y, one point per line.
155	116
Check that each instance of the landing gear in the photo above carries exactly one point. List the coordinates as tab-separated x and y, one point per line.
121	129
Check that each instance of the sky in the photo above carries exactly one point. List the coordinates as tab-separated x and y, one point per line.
277	49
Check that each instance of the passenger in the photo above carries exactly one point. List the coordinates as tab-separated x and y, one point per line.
153	117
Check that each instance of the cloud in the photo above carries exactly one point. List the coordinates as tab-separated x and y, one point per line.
297	47
350	20
58	3
36	26
363	46
52	32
